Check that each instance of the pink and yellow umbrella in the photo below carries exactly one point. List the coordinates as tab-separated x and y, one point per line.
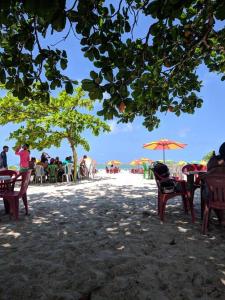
136	162
113	162
164	144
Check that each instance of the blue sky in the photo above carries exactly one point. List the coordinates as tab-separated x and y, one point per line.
202	131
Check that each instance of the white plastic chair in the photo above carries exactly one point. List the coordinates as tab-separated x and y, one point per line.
39	173
68	172
92	169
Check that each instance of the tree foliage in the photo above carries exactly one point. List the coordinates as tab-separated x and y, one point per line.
44	125
208	156
143	75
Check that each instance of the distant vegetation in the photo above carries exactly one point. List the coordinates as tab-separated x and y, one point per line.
208	156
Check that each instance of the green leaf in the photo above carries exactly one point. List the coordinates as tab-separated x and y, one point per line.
112	9
69	87
93	75
2	76
63	63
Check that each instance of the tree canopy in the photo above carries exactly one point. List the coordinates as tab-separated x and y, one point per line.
142	74
44	125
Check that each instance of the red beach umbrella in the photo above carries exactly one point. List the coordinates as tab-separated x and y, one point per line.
164	144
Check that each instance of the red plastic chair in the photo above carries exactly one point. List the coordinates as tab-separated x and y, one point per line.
12	197
164	197
6	185
216	198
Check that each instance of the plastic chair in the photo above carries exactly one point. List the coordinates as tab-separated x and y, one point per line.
163	196
145	172
52	169
39	174
216	197
12	197
68	172
7	185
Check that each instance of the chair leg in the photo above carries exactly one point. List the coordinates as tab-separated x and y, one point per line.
25	203
192	210
162	207
185	204
7	206
16	212
205	220
202	203
158	205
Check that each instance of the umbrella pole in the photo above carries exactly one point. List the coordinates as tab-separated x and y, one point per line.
164	155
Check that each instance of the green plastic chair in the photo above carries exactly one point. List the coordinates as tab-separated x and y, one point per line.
52	169
145	171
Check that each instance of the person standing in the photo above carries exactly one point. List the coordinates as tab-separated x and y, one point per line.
3	158
24	154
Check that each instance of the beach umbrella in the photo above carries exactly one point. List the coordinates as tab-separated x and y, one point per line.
163	145
113	162
182	163
135	162
203	162
146	160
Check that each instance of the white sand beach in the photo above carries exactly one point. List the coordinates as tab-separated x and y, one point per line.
101	239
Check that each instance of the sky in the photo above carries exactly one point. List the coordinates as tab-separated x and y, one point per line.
202	131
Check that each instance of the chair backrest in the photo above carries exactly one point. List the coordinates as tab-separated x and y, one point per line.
39	170
24	182
11	173
216	186
69	168
157	178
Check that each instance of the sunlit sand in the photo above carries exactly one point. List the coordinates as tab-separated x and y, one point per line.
102	239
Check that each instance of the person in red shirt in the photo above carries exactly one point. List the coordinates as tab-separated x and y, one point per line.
24	154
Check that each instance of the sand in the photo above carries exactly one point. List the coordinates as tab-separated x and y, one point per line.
102	239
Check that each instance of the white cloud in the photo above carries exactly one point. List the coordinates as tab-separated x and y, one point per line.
118	128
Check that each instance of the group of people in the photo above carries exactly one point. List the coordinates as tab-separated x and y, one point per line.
112	169
30	163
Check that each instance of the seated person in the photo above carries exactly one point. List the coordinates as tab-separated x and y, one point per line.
32	163
67	160
56	160
215	166
52	161
167	184
44	157
60	171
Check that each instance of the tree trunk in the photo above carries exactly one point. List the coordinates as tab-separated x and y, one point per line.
74	163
